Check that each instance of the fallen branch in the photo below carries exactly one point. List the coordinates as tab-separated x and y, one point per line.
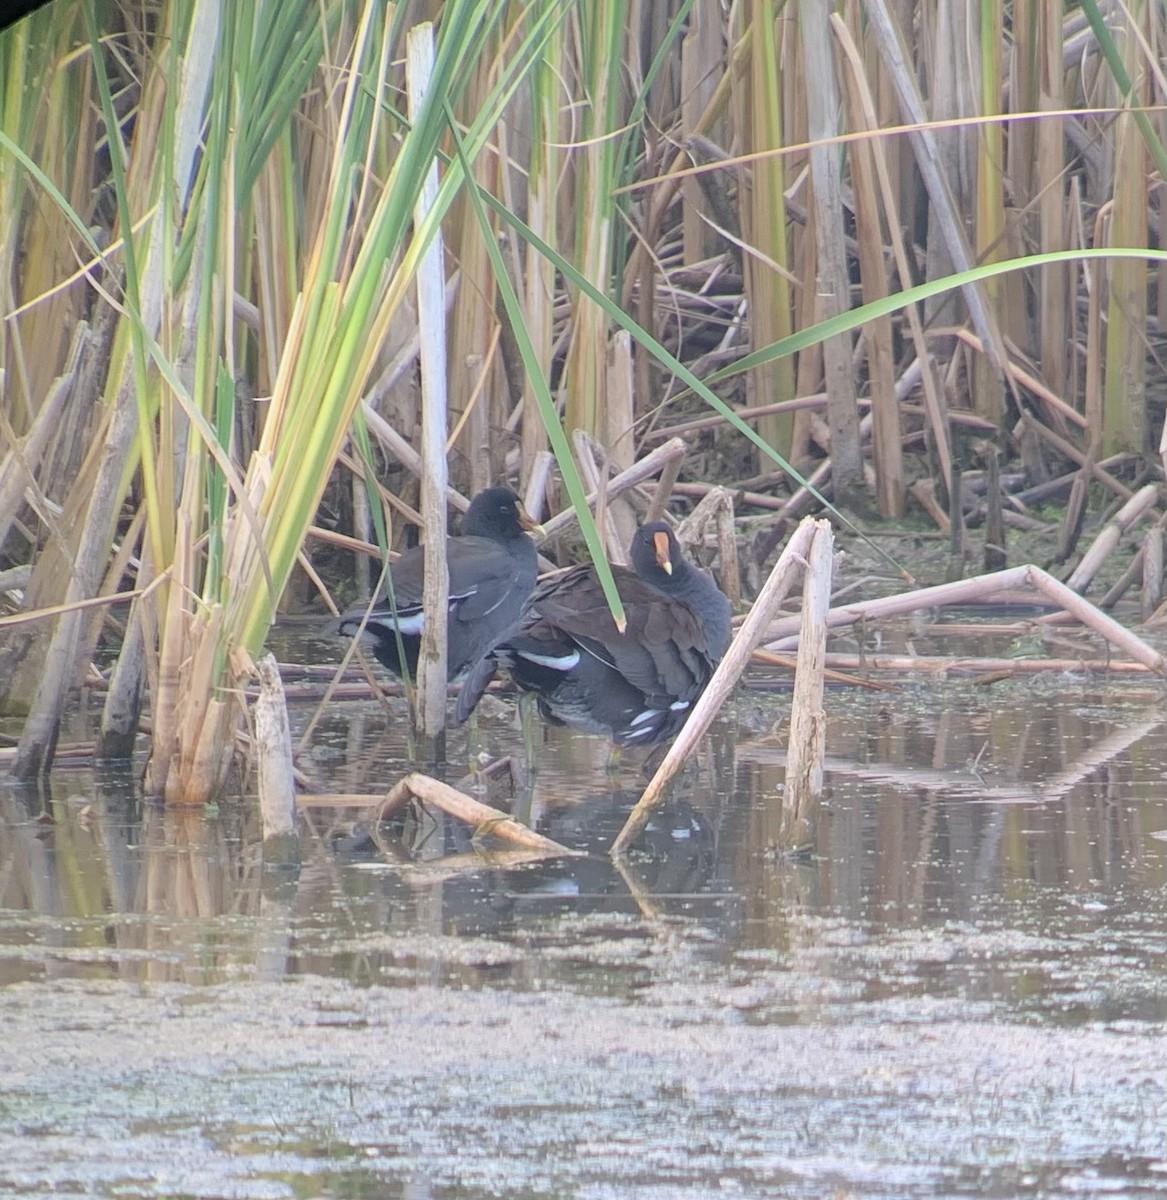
641	470
484	819
936	665
1107	541
769	659
980	587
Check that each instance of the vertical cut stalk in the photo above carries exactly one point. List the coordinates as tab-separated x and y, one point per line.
808	721
431	662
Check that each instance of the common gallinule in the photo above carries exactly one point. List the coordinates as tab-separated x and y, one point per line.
636	687
493	567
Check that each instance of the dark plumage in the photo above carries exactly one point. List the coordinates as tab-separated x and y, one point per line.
493	567
636	687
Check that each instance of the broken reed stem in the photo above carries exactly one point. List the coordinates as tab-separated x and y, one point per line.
980	587
723	682
1050	399
1093	618
484	818
1152	571
1107	541
908	664
1071	453
665	483
768	659
593	469
643	469
808	720
275	776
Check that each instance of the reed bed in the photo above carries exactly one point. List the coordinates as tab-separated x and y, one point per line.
855	255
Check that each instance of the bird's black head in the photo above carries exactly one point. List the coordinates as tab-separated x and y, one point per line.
656	556
497	513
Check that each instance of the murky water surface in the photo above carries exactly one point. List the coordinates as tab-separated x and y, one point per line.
962	991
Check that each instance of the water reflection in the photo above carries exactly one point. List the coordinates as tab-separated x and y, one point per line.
1011	833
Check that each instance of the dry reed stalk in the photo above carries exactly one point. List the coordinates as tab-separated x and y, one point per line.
620	418
20	466
731	582
757	499
923	491
1163	446
484	819
687	428
833	284
768	658
933	397
979	588
644	468
889	38
589	455
1152	572
1058	409
940	667
760	120
123	702
430	716
808	720
1110	536
665	483
409	458
1069	451
538	479
1095	335
1127	580
473	325
1124	407
995	556
275	778
725	678
886	434
594	155
95	497
701	63
988	388
363	531
1054	281
543	174
1074	516
715	506
808	376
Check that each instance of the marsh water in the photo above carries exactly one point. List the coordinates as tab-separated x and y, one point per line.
962	989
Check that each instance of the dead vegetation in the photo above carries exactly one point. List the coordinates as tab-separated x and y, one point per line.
901	257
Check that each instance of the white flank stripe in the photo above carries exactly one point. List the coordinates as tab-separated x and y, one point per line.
647	715
640	732
679	706
556	662
410	626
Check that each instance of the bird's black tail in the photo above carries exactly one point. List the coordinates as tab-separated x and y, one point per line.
476	682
